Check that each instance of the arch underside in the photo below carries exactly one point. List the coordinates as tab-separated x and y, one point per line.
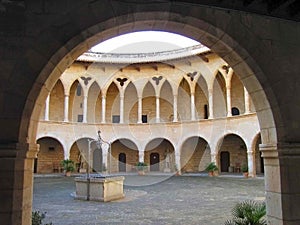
213	37
48	49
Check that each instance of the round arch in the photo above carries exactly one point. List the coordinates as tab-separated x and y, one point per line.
209	37
231	153
198	25
195	154
50	155
124	155
159	154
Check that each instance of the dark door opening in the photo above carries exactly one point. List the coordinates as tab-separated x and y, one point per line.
122	162
154	162
35	165
225	161
97	160
144	118
205	112
262	166
235	111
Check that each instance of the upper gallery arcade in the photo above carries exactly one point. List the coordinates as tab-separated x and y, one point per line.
182	107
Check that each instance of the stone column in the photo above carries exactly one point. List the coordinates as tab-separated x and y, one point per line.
47	108
211	104
66	109
121	109
85	97
213	158
141	156
105	156
193	117
140	109
103	108
282	166
177	160
157	120
247	101
228	98
16	178
251	164
175	118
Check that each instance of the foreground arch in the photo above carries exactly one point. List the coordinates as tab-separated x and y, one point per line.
48	47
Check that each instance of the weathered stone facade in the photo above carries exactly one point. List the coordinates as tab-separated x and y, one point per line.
90	95
258	39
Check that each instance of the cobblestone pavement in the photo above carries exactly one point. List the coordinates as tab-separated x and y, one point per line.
174	200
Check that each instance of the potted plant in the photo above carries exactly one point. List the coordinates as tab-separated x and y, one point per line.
211	168
245	171
68	166
140	166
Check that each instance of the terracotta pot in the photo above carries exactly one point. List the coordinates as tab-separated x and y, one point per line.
246	174
141	172
211	173
68	173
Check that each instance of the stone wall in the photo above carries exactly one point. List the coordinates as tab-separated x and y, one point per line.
50	155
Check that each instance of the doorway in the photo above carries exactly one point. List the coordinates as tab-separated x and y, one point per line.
154	161
122	162
225	161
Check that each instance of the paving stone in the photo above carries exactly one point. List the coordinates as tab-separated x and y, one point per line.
173	200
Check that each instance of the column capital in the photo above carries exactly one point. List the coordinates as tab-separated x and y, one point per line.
280	150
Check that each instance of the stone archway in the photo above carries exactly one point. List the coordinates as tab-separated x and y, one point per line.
195	155
236	148
226	32
124	156
160	155
50	155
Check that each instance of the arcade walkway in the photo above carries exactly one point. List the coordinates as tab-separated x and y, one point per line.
177	200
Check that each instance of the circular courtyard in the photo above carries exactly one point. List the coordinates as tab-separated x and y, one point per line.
187	199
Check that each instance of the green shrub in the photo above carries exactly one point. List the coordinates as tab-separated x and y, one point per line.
248	213
244	168
140	166
68	165
37	218
211	167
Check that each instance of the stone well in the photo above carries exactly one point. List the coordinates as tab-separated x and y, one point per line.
99	188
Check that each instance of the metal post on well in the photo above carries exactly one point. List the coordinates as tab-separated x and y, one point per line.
99	143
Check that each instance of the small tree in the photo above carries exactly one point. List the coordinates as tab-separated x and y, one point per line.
248	213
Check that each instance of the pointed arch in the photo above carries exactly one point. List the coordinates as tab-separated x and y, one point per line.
219	96
184	100
166	102
130	104
112	103
201	98
149	99
56	106
93	106
237	94
76	102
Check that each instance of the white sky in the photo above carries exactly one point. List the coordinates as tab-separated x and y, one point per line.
144	41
